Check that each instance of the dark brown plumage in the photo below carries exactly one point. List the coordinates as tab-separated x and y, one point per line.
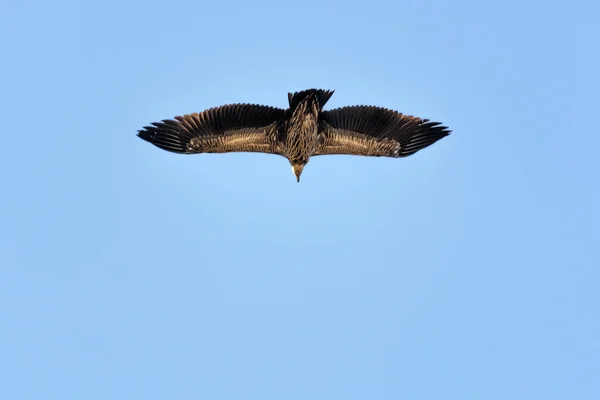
297	133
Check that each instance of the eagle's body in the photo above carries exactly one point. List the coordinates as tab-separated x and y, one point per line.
297	133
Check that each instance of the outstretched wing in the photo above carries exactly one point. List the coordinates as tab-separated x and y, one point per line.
377	132
235	127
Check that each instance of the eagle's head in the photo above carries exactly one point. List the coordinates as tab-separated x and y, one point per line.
297	168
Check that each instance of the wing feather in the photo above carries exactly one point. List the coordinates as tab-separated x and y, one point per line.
375	131
234	127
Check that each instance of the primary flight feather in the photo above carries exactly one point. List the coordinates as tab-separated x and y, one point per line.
297	133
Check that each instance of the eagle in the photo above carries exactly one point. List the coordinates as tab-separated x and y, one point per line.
301	131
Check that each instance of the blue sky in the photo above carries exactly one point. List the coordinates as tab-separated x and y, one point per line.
467	271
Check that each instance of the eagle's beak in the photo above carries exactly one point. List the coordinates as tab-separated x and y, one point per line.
297	171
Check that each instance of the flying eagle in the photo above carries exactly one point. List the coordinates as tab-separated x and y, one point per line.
297	133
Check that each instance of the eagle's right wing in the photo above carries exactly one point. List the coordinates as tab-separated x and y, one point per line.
230	128
377	132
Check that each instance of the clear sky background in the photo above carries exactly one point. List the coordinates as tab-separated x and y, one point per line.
470	270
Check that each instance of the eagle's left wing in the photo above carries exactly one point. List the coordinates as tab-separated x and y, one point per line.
230	128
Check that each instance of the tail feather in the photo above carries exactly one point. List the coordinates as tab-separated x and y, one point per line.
323	96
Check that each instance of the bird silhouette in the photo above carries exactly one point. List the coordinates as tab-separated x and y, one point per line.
297	133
